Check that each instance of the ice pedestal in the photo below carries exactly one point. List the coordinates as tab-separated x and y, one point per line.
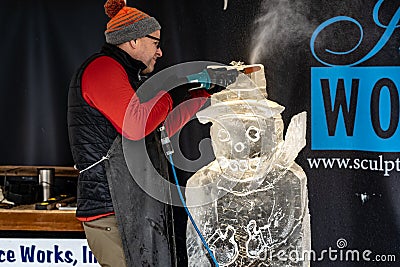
251	203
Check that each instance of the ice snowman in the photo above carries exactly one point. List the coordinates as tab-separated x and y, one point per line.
250	203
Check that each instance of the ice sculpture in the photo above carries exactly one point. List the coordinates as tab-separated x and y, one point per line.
251	202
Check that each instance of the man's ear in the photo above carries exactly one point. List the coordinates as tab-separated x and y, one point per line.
133	43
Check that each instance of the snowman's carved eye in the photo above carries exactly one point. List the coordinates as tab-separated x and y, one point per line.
253	133
239	147
223	135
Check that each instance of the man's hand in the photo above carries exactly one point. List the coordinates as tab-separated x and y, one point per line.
222	76
214	79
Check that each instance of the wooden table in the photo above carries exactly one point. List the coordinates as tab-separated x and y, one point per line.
11	170
26	218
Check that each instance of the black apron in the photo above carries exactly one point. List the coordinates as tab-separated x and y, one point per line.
145	223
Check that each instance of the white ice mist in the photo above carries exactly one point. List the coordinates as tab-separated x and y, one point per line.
280	23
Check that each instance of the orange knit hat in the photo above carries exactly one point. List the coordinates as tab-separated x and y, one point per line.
127	23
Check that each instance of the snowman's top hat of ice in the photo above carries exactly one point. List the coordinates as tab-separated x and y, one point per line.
246	97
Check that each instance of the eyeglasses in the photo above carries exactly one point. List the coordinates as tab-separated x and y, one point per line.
156	39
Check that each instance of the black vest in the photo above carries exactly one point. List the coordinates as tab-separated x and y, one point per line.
91	136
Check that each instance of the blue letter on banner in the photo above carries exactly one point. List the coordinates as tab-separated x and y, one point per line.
355	108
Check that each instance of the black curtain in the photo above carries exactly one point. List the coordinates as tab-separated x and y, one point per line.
44	42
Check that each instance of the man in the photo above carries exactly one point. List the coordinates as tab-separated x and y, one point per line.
123	226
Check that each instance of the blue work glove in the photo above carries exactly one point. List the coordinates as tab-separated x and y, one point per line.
214	79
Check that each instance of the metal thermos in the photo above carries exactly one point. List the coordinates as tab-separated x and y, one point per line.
46	180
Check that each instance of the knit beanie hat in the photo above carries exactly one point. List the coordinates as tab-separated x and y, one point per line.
127	23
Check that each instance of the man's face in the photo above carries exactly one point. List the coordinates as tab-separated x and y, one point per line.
149	50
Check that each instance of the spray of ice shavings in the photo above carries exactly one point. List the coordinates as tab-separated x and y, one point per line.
364	197
225	4
280	23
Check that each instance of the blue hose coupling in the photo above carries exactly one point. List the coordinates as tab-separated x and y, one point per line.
202	77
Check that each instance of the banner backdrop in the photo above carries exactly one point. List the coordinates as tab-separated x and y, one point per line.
339	60
46	252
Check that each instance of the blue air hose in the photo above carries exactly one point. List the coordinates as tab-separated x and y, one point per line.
169	150
190	215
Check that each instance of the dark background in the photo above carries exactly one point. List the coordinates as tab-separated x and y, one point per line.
44	41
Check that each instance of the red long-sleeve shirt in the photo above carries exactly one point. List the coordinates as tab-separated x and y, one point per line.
105	86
